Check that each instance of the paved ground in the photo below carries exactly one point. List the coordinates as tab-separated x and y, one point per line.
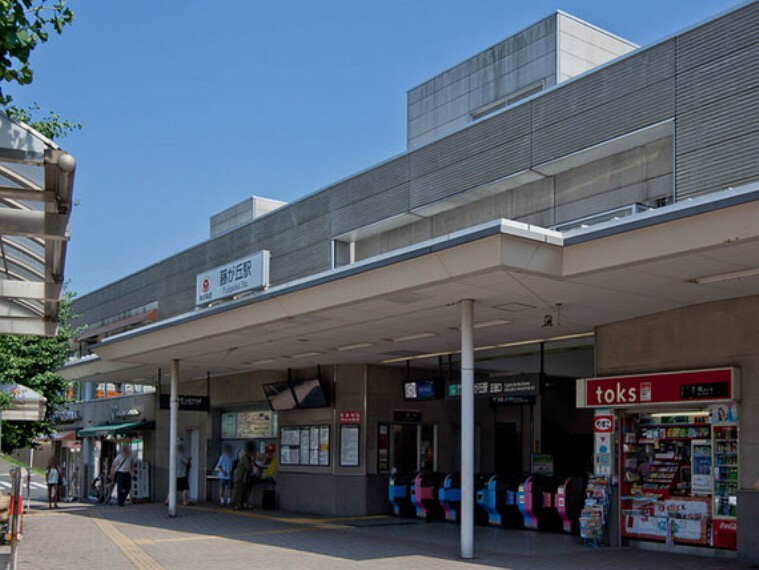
141	536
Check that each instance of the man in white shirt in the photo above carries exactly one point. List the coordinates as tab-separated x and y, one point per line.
121	472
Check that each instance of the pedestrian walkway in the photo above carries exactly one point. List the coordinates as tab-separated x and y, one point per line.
141	536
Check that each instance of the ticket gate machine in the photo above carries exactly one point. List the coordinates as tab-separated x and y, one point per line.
424	495
569	501
498	498
449	496
399	494
536	499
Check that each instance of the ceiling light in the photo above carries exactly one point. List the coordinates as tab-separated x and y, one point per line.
514	307
493	323
414	336
494	346
307	354
719	278
353	346
259	362
695	413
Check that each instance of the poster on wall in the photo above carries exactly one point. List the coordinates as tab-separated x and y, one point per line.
723	413
313	450
324	445
305	440
228	425
349	445
251	425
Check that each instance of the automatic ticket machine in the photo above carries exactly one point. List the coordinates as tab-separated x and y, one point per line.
498	498
399	494
424	495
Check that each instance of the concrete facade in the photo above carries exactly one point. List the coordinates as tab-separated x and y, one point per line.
548	52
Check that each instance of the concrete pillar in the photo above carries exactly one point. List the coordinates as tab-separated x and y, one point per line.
467	428
173	409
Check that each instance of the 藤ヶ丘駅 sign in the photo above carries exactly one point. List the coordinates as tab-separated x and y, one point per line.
713	385
247	273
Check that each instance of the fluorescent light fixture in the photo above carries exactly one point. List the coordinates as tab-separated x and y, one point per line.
259	362
494	346
353	346
415	336
307	354
515	307
493	323
719	278
694	413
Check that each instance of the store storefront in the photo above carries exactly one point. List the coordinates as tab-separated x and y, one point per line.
670	443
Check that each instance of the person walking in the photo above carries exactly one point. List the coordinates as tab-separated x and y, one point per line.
121	473
54	480
183	467
224	471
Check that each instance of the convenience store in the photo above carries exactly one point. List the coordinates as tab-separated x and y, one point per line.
670	442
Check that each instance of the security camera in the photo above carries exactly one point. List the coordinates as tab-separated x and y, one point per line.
547	321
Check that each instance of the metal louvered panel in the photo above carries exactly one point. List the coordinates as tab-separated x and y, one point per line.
507	126
716	167
718	38
631	74
719	121
616	117
371	209
717	79
387	175
487	166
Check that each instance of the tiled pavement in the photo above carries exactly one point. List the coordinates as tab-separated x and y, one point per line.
141	536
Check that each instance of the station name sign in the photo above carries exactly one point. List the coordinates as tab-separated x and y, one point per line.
247	273
713	385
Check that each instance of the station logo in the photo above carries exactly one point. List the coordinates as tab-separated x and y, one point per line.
603	424
206	285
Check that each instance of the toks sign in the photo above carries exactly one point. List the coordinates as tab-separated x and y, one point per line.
714	385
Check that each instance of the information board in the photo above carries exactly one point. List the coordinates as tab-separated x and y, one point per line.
228	425
304	445
252	425
350	445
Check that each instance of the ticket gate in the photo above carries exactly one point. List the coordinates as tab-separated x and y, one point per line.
536	499
424	495
399	494
569	501
449	496
498	498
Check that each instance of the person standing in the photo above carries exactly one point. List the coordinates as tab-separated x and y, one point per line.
224	470
54	480
240	477
183	466
121	473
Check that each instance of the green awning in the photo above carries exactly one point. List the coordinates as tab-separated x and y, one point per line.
116	429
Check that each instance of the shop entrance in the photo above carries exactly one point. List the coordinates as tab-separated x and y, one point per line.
414	447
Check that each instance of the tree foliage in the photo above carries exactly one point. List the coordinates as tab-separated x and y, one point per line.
33	361
24	24
52	125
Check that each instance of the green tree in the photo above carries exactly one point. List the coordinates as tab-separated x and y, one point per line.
25	24
52	125
34	361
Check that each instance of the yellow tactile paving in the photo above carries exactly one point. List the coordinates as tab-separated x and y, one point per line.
129	548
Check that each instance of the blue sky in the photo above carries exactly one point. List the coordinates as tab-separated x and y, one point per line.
190	107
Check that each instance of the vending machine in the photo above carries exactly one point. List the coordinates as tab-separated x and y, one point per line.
701	467
725	468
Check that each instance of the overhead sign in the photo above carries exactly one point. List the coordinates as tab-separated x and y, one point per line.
714	385
407	417
503	390
188	403
248	273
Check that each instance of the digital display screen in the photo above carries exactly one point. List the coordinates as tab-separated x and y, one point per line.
704	391
421	390
309	393
280	396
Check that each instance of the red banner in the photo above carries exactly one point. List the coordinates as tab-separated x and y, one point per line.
666	388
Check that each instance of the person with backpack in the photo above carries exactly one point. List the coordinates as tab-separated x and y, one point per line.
241	475
54	480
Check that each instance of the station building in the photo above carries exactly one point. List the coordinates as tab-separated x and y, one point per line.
566	252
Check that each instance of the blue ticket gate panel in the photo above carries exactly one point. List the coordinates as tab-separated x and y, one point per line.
498	498
399	494
449	496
